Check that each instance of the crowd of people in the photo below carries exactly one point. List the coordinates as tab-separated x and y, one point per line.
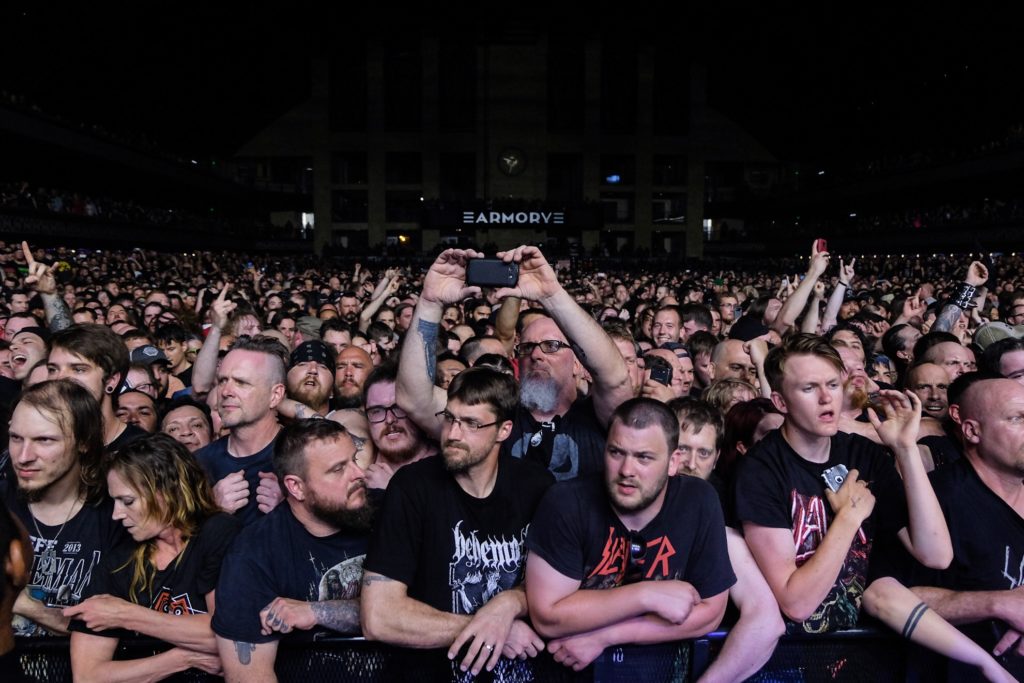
224	452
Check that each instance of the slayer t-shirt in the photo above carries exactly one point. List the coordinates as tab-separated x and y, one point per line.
577	532
777	488
181	587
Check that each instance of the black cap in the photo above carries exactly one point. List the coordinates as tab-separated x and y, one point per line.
315	351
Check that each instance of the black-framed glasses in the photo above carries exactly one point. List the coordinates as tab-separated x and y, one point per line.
467	423
636	549
377	414
548	346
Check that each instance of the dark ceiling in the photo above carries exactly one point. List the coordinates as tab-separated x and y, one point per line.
822	85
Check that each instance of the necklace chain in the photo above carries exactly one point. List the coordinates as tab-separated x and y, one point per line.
39	533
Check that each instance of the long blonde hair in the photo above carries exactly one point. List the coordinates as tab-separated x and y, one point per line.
175	490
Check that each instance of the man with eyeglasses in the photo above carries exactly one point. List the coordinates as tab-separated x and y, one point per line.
639	557
396	438
443	573
553	426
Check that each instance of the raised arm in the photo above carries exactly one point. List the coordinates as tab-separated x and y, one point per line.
593	346
505	323
926	536
793	305
204	370
415	392
962	298
385	288
835	302
40	278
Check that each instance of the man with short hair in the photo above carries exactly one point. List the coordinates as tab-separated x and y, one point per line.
93	356
352	366
336	334
931	384
667	325
951	355
348	306
730	359
299	567
639	557
753	637
1004	358
803	498
553	425
250	384
396	438
444	568
693	317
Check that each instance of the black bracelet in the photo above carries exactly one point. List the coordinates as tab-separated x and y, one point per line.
963	296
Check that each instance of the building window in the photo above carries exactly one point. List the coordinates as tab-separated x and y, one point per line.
565	178
618	207
618	169
457	177
349	206
402	206
404	168
348	168
668	207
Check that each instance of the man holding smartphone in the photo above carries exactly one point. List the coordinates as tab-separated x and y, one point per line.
553	425
812	527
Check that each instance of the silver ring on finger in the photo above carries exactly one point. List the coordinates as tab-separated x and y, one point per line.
490	648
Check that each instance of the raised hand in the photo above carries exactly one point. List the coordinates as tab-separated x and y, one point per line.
537	279
445	282
902	419
40	276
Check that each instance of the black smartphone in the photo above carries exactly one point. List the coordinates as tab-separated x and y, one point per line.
662	373
492	272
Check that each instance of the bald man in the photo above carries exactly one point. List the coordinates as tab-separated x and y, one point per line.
352	366
982	498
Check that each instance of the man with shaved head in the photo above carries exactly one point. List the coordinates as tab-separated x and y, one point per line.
931	383
729	359
953	356
982	498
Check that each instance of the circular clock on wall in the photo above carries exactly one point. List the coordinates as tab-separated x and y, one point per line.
512	161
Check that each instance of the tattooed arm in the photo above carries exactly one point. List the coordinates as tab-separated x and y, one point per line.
283	615
247	662
415	391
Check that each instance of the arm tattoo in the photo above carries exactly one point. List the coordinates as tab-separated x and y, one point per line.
338	615
300	412
913	619
57	313
244	652
947	318
429	333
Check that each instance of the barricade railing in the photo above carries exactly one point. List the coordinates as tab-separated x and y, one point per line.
857	655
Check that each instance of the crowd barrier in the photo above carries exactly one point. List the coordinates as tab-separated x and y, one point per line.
858	655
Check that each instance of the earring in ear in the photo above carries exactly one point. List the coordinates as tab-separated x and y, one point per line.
109	390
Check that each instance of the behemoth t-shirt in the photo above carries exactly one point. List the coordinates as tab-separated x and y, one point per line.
276	557
777	488
181	587
577	532
453	551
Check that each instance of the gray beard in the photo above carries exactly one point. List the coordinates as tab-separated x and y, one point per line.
538	394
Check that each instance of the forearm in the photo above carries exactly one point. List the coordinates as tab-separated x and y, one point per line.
204	370
650	628
505	323
835	302
590	610
50	618
749	645
414	386
807	587
92	660
57	314
188	631
947	317
964	607
338	615
794	304
927	533
810	321
366	316
410	623
599	354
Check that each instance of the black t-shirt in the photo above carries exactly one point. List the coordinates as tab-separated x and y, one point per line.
453	551
777	488
988	548
570	446
276	557
219	463
577	532
186	376
181	587
131	433
79	549
944	450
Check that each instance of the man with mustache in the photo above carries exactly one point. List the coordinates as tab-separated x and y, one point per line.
553	426
443	573
310	378
298	568
396	439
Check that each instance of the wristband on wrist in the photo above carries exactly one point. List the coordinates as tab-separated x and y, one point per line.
963	296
